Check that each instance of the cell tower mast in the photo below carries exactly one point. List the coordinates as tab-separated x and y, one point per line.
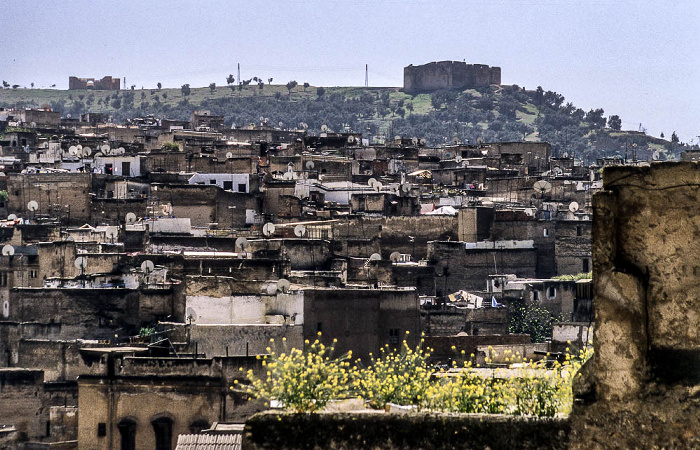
366	76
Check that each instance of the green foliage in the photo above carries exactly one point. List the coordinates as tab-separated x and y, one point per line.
615	123
532	319
185	90
147	331
3	196
171	146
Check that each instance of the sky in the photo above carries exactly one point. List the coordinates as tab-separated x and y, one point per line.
638	59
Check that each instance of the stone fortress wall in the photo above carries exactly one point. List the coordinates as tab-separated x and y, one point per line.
449	75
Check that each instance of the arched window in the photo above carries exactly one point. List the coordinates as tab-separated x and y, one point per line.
163	429
551	293
127	431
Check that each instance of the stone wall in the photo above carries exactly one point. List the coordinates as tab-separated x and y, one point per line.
449	75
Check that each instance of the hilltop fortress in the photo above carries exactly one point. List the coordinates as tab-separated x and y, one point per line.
449	75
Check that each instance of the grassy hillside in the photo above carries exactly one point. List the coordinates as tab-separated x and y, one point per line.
499	113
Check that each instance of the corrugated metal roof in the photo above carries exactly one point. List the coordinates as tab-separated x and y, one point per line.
208	442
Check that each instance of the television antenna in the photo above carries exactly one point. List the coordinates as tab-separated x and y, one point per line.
32	205
406	188
147	266
283	285
111	233
458	159
299	230
8	250
542	186
573	207
130	218
242	244
80	263
268	229
414	141
395	257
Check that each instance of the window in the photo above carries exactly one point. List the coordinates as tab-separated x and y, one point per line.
101	429
163	429
126	168
536	296
586	269
108	169
551	293
3	279
319	327
545	232
578	231
241	187
33	273
394	336
127	432
212	181
228	185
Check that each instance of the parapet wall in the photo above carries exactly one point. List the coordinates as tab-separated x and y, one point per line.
449	75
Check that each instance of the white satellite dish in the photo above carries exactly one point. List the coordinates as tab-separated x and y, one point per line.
80	147
120	151
371	182
111	232
73	150
557	171
542	186
32	205
288	176
378	186
422	141
271	288
12	217
655	155
268	229
8	250
573	207
406	187
191	315
283	285
45	145
147	266
351	139
479	140
87	151
414	141
229	155
375	257
130	217
299	230
324	127
98	154
80	263
395	256
458	159
310	165
530	212
241	243
105	149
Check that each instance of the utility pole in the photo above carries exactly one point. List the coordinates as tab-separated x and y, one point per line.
366	76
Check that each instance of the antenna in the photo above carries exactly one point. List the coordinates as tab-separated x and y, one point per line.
299	230
573	207
268	229
542	186
73	150
105	149
310	165
324	127
191	315
414	141
241	244
8	250
87	151
395	256
375	257
406	188
371	182
111	233
366	75
229	155
283	285
458	159
530	212
147	266
351	139
378	186
32	205
130	217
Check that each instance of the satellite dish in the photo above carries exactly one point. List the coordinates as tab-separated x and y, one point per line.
32	205
375	257
191	315
414	141
120	151
111	232
80	263
371	182
73	150
406	187
309	165
8	250
229	155
105	149
288	176
655	155
268	229
147	266
283	285
45	145
530	212
378	186
280	124
542	186
573	207
12	217
271	288
130	217
241	243
479	140
79	147
324	127
87	151
458	159
395	256
299	230
98	154
422	141
351	139
557	171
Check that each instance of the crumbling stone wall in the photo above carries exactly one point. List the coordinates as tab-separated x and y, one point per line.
643	388
449	75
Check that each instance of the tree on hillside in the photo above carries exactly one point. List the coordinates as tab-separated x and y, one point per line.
212	87
306	85
278	95
5	84
674	138
662	135
261	85
614	122
15	86
269	81
159	86
594	118
320	91
291	85
185	89
32	85
230	79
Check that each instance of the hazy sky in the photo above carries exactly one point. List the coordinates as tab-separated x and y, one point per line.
636	58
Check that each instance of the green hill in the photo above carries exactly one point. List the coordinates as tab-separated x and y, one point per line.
498	113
